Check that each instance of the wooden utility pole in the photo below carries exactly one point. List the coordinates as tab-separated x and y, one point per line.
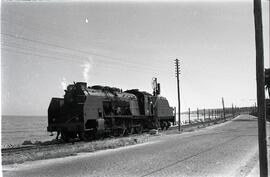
178	92
260	88
223	107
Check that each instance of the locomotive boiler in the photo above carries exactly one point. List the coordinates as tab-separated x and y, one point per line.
88	112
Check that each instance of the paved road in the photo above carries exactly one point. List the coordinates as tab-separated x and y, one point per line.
227	149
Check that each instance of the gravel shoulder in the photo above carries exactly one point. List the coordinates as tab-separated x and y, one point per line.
251	167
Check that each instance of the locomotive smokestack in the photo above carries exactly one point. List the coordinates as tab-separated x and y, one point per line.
82	84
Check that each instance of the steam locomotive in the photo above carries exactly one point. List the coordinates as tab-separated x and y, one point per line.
88	112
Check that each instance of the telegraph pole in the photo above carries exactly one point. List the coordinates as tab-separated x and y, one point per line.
178	91
260	88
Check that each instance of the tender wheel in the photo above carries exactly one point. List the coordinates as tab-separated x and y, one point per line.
168	125
64	136
163	125
82	136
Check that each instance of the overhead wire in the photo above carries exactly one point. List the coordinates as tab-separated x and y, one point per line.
86	52
44	50
104	64
112	59
70	57
45	28
35	54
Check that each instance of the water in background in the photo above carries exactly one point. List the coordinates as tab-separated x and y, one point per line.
184	118
193	117
17	129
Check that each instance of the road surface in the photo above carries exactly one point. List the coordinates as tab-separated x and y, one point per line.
228	149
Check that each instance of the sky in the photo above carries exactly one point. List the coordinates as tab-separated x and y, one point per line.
48	45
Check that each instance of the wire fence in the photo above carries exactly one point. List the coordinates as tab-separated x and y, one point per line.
201	116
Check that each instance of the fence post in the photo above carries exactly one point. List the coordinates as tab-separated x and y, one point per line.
174	122
204	114
189	115
198	113
223	108
232	112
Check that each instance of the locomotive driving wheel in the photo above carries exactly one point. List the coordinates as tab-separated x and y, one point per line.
124	130
131	131
139	129
82	136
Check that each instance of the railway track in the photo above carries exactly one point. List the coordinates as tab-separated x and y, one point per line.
12	149
32	147
57	144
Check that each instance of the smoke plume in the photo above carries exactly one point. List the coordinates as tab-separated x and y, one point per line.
86	69
64	83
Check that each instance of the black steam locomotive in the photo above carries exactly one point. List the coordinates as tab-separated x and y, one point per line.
88	112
